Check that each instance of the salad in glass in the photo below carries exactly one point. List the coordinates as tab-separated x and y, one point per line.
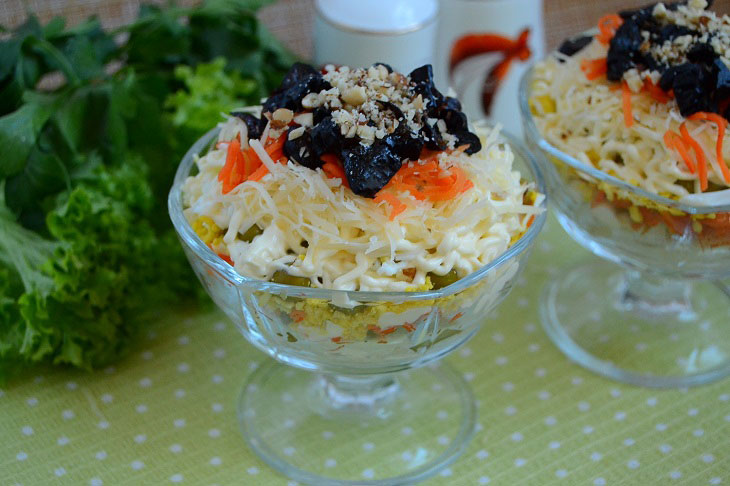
356	225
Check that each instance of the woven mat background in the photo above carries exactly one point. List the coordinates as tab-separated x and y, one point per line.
291	20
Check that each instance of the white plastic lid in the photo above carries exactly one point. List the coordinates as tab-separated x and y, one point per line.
383	16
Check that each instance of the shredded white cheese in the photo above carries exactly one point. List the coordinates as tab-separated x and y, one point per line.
315	227
585	119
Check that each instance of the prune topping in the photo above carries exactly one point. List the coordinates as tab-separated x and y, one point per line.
320	114
623	50
387	105
300	150
722	86
702	53
255	126
671	32
691	84
325	137
693	70
404	144
369	167
571	46
451	103
422	78
465	137
455	120
372	139
298	82
432	137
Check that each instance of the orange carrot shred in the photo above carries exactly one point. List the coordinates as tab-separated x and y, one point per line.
333	169
395	203
230	160
655	91
699	154
225	258
626	102
297	315
720	122
673	140
607	25
594	68
259	173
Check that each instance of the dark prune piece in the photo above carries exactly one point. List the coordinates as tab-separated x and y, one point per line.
702	53
468	138
297	72
369	168
320	114
647	11
325	137
386	66
722	85
451	103
404	144
667	79
300	150
646	61
576	44
432	137
455	120
387	105
671	32
301	80
254	125
692	86
422	79
623	50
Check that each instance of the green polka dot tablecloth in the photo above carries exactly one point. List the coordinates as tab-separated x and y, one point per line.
166	413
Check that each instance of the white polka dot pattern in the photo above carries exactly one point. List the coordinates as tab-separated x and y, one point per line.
165	414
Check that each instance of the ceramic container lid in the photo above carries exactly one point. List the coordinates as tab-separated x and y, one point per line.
381	16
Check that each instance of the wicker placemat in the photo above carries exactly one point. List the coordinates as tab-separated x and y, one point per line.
291	20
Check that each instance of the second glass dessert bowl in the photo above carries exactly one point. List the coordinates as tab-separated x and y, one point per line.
655	312
317	415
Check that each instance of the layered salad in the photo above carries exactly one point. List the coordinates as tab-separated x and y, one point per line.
647	100
361	180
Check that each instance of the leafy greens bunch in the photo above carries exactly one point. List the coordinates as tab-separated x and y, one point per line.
92	126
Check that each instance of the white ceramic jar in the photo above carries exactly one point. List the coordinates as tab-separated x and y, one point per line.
510	36
358	33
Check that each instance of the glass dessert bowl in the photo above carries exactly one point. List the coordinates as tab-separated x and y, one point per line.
368	387
355	370
658	318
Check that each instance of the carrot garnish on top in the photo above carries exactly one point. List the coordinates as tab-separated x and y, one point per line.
425	180
720	122
673	140
699	154
607	26
626	102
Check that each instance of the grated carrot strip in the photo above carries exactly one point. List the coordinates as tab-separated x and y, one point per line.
656	92
673	140
259	173
594	68
395	203
607	25
699	154
720	122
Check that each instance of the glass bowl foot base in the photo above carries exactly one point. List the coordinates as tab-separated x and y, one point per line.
333	430
639	329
